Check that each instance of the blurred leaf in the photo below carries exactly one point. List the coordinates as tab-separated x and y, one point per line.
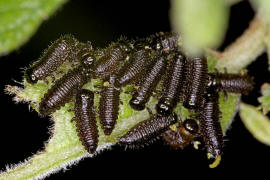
263	8
19	20
265	98
202	24
257	124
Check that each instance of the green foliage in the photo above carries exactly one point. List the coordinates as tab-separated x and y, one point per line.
203	24
265	98
256	123
19	20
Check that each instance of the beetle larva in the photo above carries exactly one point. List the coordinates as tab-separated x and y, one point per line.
172	85
109	62
109	105
197	83
148	83
86	120
147	129
165	42
183	135
233	83
133	69
61	50
62	91
210	128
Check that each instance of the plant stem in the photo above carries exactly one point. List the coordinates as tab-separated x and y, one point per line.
245	49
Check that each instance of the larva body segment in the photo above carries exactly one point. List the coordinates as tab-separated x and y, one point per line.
147	129
165	42
62	91
61	50
148	83
109	105
210	128
86	120
233	83
109	62
182	136
196	83
133	69
172	85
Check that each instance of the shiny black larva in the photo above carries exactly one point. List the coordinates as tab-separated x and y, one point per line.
61	50
110	60
147	129
233	83
210	128
85	118
196	83
148	83
172	85
143	63
62	91
109	105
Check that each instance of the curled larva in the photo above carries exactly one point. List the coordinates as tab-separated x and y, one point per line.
61	50
183	134
85	118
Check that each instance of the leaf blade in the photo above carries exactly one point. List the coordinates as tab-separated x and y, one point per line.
21	19
257	124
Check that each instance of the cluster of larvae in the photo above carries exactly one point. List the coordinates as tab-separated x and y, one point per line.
142	63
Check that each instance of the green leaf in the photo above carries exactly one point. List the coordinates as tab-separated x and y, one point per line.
257	124
265	98
202	24
19	20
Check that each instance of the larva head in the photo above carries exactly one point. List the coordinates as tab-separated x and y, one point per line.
30	76
85	94
86	55
165	42
191	126
137	104
164	107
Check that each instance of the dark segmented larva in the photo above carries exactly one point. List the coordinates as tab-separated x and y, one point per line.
109	105
233	83
210	128
109	62
197	80
62	91
133	69
166	42
86	120
148	83
61	50
182	136
147	129
172	85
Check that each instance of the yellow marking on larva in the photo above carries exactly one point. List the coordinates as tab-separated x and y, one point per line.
173	127
196	144
106	83
216	162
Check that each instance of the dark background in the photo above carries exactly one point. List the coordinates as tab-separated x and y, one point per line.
23	132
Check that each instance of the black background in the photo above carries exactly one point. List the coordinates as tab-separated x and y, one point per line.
23	132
